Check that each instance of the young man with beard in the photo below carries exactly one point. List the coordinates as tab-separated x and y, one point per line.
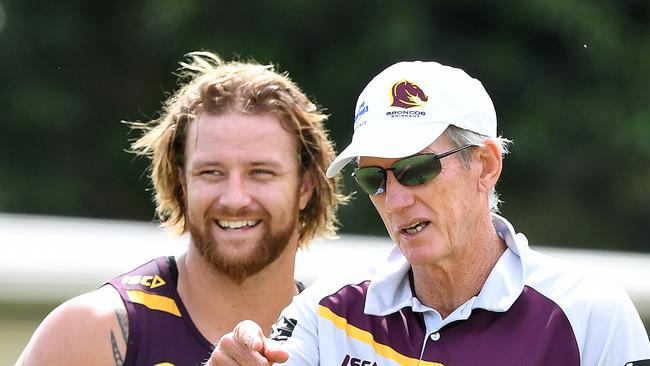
238	160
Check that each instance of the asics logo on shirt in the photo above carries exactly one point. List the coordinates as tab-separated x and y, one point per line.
353	361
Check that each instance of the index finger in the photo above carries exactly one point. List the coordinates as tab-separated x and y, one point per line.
232	351
250	334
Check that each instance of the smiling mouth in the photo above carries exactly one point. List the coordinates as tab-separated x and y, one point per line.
415	228
237	224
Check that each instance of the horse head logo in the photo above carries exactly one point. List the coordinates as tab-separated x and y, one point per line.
405	94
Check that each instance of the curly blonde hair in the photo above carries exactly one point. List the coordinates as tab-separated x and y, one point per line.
211	85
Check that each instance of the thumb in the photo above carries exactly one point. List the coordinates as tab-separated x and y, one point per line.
274	351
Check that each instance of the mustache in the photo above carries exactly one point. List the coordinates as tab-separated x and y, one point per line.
236	213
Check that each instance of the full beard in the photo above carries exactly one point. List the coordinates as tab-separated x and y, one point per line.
267	249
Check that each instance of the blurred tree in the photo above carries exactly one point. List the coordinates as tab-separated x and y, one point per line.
569	81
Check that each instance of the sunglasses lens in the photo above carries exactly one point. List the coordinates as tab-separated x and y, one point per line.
416	170
411	171
371	180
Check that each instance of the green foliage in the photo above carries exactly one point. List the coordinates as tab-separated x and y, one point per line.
569	81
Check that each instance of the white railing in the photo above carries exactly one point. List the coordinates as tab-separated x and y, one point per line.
50	259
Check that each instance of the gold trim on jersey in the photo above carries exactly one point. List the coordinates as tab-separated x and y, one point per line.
155	302
367	338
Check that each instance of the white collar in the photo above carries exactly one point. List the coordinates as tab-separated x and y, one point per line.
390	288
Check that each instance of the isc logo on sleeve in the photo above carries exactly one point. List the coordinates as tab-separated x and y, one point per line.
147	281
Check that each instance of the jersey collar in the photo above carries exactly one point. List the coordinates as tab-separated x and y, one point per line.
390	288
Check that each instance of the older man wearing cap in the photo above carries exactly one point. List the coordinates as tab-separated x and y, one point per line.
461	286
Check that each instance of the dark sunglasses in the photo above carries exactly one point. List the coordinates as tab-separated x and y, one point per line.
411	171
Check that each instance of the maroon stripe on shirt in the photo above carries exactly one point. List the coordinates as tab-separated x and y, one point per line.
403	331
534	331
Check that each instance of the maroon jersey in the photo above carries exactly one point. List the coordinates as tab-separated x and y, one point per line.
161	331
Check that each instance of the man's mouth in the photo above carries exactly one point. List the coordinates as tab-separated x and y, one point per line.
416	227
237	224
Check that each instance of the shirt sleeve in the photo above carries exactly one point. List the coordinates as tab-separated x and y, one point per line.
615	334
297	330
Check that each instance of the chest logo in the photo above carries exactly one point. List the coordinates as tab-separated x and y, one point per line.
147	281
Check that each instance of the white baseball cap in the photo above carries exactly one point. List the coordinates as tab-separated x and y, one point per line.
409	105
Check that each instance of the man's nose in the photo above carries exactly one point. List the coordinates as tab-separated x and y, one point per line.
235	194
397	196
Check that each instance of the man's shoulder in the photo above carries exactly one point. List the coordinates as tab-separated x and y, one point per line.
561	279
93	306
80	330
345	285
335	294
97	307
590	299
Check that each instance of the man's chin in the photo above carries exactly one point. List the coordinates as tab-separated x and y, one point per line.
239	259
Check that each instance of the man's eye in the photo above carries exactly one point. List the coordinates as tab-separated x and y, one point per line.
261	172
210	172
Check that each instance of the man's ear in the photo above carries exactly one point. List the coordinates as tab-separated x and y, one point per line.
306	190
490	164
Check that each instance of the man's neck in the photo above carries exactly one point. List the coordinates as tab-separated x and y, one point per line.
447	285
216	303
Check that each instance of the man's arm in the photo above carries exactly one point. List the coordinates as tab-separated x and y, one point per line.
90	329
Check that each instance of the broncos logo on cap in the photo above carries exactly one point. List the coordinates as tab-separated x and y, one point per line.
405	94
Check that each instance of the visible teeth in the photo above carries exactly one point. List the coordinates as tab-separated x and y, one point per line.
227	224
415	228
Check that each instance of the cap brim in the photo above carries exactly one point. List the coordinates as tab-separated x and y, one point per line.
388	142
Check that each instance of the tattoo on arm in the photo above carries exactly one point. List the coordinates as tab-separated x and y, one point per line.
117	356
123	321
